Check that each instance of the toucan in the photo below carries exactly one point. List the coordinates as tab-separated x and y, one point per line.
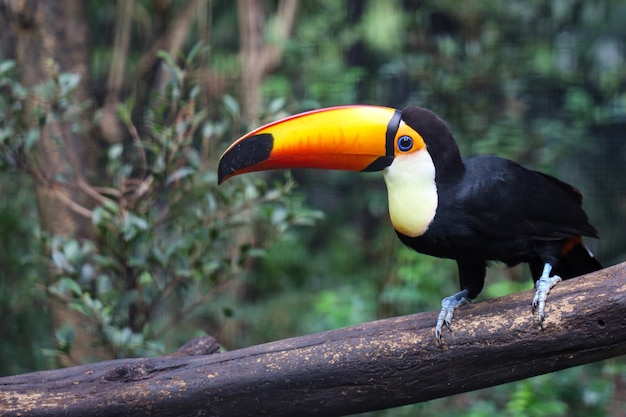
474	210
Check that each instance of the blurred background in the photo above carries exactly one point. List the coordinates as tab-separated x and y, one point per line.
115	240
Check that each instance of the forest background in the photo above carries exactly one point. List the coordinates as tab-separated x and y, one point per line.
115	240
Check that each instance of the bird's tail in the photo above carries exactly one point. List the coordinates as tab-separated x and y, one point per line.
576	260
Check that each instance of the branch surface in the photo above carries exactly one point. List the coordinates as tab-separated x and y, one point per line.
371	366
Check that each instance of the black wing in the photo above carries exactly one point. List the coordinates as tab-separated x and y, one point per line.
504	198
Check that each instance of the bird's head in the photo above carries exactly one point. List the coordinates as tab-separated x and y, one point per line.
350	138
356	138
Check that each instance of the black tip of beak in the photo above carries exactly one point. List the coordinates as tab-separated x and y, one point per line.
244	154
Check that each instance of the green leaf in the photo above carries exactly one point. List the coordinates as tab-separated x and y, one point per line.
132	226
176	71
6	133
111	206
195	50
6	66
179	174
60	260
125	110
195	92
30	138
71	285
276	105
99	215
115	151
231	105
64	337
68	82
71	249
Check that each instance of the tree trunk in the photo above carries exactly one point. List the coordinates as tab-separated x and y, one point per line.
371	366
258	56
54	36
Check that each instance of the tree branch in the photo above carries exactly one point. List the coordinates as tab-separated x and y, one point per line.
374	365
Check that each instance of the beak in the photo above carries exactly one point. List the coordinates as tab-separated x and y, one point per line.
349	138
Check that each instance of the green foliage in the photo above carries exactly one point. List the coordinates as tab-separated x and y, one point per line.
421	282
526	402
24	318
12	117
341	307
169	242
22	305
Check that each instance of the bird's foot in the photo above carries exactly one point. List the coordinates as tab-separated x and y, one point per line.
448	305
542	289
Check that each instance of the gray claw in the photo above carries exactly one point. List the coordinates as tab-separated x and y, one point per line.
448	305
543	287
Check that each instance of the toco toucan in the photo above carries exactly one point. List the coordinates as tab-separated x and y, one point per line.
473	210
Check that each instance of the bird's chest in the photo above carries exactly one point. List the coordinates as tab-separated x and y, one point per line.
412	193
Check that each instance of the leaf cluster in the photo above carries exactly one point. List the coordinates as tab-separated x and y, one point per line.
169	244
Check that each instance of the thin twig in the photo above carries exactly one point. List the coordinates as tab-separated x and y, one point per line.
91	191
75	207
140	149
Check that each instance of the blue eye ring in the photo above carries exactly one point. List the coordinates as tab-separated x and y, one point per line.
405	143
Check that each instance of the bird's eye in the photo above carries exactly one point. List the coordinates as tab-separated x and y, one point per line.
405	143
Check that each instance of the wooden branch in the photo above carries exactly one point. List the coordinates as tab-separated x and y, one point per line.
371	366
204	345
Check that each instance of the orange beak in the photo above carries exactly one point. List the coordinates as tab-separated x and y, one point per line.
349	138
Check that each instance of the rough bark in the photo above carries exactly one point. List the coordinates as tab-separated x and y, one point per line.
375	365
54	36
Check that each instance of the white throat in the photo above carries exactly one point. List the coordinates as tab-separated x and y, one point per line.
412	192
